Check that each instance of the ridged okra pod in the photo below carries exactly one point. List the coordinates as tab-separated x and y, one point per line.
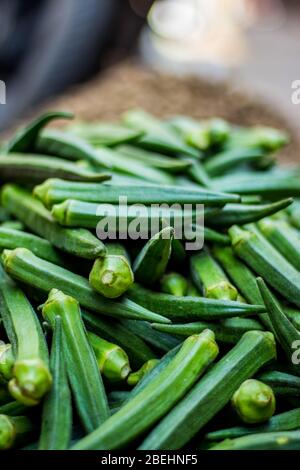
31	375
24	266
287	421
212	392
289	440
148	406
14	430
190	308
265	260
33	214
151	263
57	407
112	360
55	191
83	372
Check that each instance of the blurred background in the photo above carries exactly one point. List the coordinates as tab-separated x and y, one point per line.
48	46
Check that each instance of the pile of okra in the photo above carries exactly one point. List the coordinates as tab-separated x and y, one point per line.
146	344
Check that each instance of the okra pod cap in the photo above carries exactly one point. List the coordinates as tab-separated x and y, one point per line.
254	402
7	433
31	381
111	276
135	377
7	362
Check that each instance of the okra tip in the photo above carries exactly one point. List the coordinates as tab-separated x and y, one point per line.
7	433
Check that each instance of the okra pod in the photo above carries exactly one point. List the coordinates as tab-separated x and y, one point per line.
83	372
155	160
212	392
158	137
282	383
287	421
160	341
135	377
289	440
287	335
151	263
240	214
254	402
111	275
11	239
174	284
265	261
13	430
284	238
32	213
55	191
119	333
266	138
228	331
31	376
13	408
148	406
208	276
7	362
24	266
231	158
22	168
190	308
113	361
57	408
24	140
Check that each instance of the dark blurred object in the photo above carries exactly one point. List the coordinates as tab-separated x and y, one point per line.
48	45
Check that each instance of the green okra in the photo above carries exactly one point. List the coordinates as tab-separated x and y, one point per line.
289	440
150	404
14	430
151	263
11	239
112	360
254	402
155	160
23	168
211	235
135	377
212	392
12	225
111	275
57	407
240	214
24	140
265	261
231	158
265	185
174	284
229	331
160	341
72	213
7	362
83	373
293	315
24	266
158	136
190	308
33	214
198	174
178	253
282	383
284	238
13	408
266	138
287	421
4	215
55	191
287	335
119	333
208	276
31	376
